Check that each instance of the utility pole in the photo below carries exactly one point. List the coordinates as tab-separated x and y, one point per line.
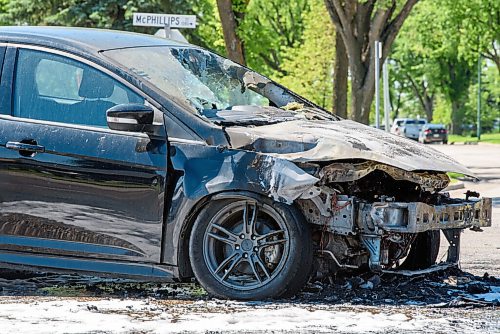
479	97
378	47
387	105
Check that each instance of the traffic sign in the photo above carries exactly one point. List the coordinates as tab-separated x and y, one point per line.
164	20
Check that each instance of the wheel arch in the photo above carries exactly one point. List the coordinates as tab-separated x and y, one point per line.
184	229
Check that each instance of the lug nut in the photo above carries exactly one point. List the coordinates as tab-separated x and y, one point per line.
236	247
253	237
256	249
242	236
245	255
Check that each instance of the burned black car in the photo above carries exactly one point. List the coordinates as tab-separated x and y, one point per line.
126	154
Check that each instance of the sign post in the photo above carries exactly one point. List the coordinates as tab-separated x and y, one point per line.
387	102
378	54
478	130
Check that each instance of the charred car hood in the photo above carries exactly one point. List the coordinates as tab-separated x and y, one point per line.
315	141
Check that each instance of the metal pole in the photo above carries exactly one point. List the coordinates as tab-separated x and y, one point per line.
479	97
385	78
168	31
377	88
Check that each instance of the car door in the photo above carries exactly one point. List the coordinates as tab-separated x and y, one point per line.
70	186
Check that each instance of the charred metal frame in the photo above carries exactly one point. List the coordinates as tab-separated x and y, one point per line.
345	215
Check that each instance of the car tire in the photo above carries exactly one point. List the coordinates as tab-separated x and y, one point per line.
423	252
266	255
445	142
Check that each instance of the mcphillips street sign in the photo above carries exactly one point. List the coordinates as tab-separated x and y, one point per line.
162	20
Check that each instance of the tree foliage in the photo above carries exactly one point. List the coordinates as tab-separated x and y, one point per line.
270	29
436	55
479	28
308	65
115	15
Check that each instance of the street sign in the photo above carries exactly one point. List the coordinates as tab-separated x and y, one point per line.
164	20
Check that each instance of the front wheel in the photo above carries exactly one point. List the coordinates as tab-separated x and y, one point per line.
250	249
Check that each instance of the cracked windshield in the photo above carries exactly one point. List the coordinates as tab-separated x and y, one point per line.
216	88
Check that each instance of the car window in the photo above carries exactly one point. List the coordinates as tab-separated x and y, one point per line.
59	89
409	122
421	121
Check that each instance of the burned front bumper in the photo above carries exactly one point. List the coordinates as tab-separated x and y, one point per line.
418	217
349	216
374	222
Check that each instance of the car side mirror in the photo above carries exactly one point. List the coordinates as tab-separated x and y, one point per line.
131	117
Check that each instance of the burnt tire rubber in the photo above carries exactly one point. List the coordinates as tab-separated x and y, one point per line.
423	252
278	243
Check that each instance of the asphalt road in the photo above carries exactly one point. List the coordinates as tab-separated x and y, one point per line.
480	251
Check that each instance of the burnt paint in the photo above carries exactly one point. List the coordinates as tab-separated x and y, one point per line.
200	172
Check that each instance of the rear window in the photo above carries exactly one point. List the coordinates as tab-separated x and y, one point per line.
410	122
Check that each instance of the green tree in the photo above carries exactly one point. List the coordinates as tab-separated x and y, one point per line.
309	65
427	58
360	23
115	15
270	29
479	28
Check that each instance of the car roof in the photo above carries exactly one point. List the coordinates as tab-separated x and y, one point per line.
416	120
83	39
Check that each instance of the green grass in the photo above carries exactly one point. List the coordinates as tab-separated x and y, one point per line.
493	138
454	177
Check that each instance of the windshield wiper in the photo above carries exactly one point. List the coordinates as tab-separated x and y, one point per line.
250	115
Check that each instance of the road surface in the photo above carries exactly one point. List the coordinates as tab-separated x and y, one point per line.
480	251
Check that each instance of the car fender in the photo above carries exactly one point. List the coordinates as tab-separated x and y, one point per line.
201	173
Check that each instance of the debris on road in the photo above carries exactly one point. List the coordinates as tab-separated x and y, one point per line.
367	289
361	303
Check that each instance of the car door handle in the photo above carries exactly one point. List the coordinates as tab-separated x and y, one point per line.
17	146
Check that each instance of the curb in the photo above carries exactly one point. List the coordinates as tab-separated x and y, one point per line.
468	143
464	143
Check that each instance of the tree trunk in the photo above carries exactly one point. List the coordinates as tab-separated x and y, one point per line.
456	118
429	107
234	45
361	102
340	78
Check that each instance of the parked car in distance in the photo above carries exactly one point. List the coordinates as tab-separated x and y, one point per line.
410	128
397	126
132	155
433	133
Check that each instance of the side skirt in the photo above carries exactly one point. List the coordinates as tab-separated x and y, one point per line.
38	262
